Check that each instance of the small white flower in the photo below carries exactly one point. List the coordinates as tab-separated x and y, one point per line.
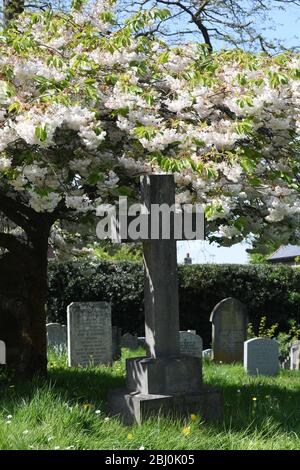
9	417
142	448
70	447
8	422
50	438
97	412
26	431
106	419
56	447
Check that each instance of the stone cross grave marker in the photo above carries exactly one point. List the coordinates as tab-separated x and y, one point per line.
190	344
229	330
165	382
295	356
2	352
89	333
56	335
261	356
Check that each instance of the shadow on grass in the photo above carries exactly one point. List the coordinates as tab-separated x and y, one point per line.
249	403
88	386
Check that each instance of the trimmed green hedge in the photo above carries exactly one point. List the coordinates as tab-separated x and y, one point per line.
271	291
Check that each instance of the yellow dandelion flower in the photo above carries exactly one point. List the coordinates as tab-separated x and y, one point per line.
194	417
254	399
87	406
130	436
186	430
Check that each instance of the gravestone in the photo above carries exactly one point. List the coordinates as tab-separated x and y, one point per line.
129	341
116	342
295	355
192	331
2	353
261	356
190	344
165	382
89	333
286	363
56	335
142	341
207	354
229	330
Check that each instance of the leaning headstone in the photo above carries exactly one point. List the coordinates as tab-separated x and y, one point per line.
2	353
207	354
190	344
261	356
229	330
56	335
116	342
89	333
295	355
129	341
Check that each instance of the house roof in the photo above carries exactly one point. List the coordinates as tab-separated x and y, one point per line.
285	252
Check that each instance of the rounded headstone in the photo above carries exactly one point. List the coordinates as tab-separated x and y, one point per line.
129	341
190	344
261	356
229	330
207	354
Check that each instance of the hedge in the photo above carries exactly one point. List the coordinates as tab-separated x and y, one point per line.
271	291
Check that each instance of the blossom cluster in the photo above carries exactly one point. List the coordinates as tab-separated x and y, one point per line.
86	107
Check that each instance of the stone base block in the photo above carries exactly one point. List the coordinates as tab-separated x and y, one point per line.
136	407
163	376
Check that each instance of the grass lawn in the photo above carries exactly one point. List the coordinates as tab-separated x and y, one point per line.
69	412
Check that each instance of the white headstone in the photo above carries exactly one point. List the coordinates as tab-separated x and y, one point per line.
56	335
89	333
207	354
295	355
190	344
2	353
261	356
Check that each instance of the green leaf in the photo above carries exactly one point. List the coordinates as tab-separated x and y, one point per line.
41	133
145	131
15	107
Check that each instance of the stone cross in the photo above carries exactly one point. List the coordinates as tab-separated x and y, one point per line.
160	262
166	381
161	281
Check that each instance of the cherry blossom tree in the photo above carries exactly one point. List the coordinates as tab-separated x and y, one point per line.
87	106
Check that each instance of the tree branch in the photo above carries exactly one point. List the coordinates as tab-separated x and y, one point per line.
11	243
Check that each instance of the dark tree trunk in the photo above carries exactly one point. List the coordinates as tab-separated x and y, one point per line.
12	8
23	292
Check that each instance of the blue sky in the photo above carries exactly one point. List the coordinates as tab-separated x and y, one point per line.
287	28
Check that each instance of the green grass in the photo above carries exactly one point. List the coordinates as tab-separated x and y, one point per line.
69	411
